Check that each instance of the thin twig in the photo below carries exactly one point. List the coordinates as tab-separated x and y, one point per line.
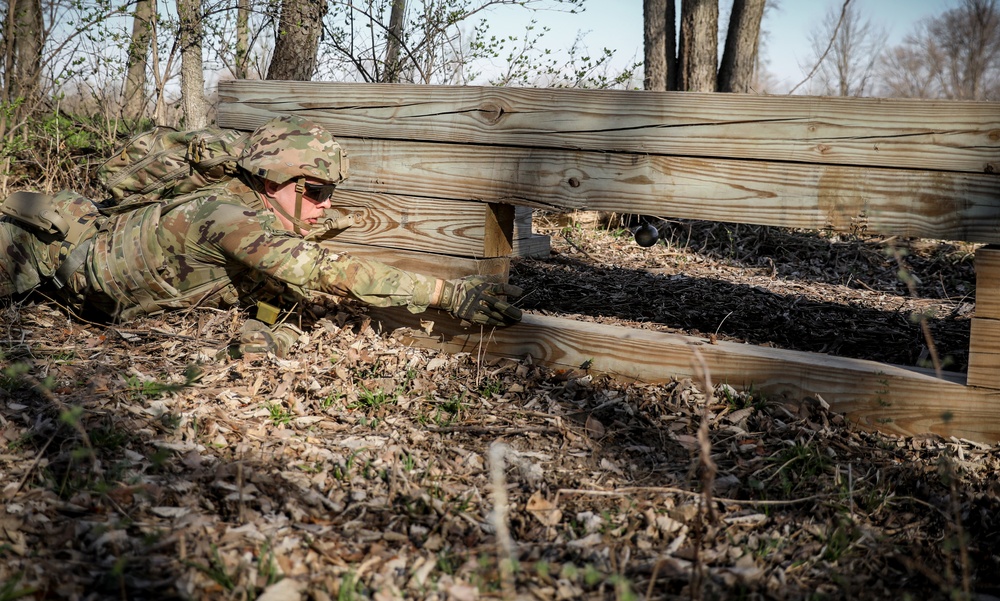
668	490
573	244
494	429
708	467
34	464
833	38
501	506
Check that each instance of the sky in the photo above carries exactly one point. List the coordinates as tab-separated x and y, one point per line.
617	24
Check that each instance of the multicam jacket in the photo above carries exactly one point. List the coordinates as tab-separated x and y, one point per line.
217	247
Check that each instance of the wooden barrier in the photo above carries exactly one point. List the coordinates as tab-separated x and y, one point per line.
913	168
984	347
889	398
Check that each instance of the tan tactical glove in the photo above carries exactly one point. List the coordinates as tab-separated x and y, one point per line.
474	299
258	338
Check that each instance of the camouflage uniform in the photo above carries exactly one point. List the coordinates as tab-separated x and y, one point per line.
210	250
218	247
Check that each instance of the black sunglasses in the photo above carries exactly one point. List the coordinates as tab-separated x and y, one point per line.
319	192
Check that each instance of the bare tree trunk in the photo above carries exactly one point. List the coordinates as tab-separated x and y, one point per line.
25	37
242	38
654	18
134	93
192	73
9	37
394	42
739	59
297	41
699	45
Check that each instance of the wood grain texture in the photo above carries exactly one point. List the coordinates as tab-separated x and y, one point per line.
923	204
499	237
984	352
988	282
442	266
538	246
874	132
875	395
522	222
435	225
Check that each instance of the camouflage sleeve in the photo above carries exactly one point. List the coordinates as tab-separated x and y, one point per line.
19	258
221	231
370	281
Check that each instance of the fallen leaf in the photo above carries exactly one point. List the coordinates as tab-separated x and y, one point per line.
543	510
287	589
595	429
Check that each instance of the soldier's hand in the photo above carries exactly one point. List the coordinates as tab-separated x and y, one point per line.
476	300
259	338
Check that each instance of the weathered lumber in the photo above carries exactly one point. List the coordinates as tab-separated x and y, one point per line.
522	222
442	266
984	335
498	240
988	282
435	225
442	226
537	245
889	398
926	204
877	132
526	242
984	353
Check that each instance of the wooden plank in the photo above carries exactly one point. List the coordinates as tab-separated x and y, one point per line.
988	282
984	352
442	266
535	246
522	222
499	237
923	204
444	226
883	132
877	396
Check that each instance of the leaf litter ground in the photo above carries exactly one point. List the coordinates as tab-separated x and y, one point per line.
142	462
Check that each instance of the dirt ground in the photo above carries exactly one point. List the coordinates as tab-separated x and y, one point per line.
142	462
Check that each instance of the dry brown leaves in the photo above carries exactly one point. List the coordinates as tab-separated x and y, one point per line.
359	468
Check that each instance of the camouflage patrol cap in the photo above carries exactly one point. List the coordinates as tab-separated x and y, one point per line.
289	147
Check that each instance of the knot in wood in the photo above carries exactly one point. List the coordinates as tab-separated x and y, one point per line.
491	113
573	182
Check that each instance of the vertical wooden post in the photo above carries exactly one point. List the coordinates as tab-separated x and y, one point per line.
498	239
984	345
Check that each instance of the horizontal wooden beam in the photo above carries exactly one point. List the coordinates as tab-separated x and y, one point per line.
875	395
923	204
442	266
436	225
876	132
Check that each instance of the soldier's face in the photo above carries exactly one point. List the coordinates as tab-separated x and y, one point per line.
312	209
